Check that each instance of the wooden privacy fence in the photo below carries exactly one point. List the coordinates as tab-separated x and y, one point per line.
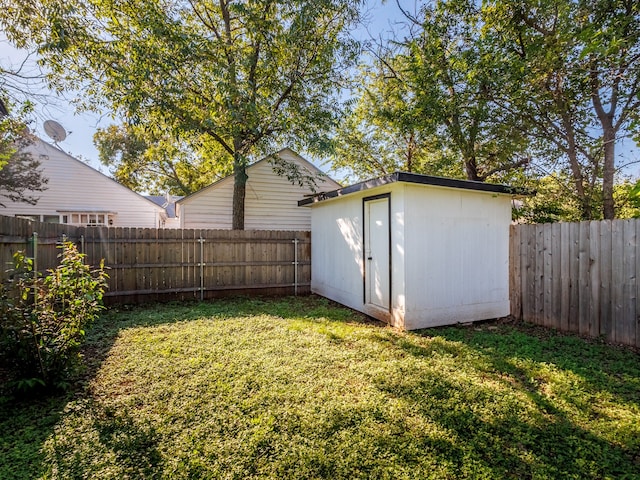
159	264
578	277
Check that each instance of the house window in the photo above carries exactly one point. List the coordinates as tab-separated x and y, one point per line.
51	218
89	219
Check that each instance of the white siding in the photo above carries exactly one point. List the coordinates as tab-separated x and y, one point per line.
337	256
271	201
457	255
74	185
337	251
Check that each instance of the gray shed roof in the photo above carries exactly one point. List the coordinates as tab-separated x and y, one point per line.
417	179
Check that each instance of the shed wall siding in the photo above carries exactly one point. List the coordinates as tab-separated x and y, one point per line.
75	186
271	201
449	248
337	251
457	256
337	243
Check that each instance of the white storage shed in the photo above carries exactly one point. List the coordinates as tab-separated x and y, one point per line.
415	251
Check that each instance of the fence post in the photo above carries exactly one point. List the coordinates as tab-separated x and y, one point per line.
295	266
201	241
34	241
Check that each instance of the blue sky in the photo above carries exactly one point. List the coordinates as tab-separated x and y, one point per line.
381	18
81	126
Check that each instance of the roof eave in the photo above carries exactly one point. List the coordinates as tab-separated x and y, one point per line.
418	179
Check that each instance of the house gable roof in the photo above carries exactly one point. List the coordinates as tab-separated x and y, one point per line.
98	174
229	178
415	179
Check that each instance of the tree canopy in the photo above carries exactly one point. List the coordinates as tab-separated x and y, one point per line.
427	101
245	73
573	76
144	159
533	92
20	176
538	92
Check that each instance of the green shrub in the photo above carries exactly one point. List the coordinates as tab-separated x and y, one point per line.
43	318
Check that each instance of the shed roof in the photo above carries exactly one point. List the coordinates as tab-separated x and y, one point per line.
416	179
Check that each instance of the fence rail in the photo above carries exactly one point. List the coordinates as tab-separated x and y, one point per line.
159	264
578	277
575	277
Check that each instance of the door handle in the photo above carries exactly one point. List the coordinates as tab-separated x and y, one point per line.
369	258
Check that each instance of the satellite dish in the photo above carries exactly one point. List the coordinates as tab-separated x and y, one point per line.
55	131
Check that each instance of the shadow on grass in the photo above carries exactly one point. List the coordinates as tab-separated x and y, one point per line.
491	420
26	425
510	439
600	367
103	437
29	420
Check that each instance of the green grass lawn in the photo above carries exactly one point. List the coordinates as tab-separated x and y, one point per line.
300	388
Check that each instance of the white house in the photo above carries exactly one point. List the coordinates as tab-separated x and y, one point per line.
413	250
271	201
77	194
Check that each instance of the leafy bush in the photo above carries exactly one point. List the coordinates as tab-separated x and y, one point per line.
43	319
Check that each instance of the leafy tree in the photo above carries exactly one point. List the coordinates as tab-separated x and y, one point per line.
380	133
554	201
144	159
572	71
627	196
429	103
20	177
453	77
244	73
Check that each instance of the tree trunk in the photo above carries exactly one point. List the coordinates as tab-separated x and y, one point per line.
577	175
608	206
239	189
586	212
471	169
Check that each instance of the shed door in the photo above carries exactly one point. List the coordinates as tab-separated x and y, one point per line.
377	252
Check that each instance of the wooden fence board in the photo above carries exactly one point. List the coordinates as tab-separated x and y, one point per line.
546	276
527	270
515	274
629	290
579	277
637	273
153	264
556	274
574	273
584	278
593	314
565	276
617	279
606	307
